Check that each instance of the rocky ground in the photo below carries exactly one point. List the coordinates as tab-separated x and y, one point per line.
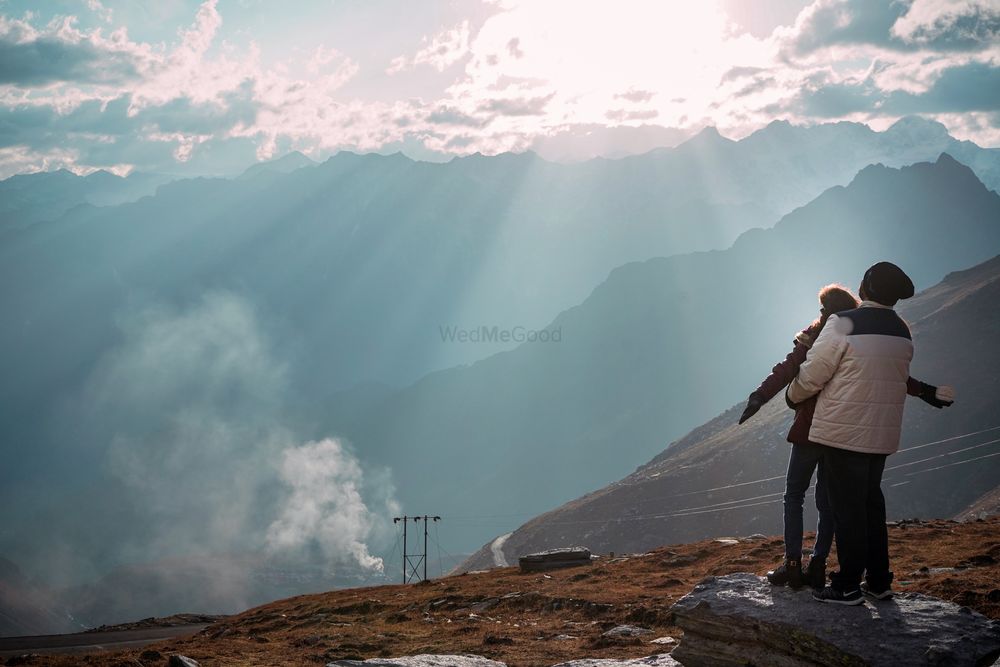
546	618
162	622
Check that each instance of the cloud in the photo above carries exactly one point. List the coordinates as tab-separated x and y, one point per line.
514	48
937	25
104	13
620	115
736	73
446	115
759	84
837	100
184	116
59	53
949	24
526	106
634	95
441	52
971	87
965	88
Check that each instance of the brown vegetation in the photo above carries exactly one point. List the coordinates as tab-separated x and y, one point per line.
542	619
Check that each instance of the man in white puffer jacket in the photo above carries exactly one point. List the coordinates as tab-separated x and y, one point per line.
859	366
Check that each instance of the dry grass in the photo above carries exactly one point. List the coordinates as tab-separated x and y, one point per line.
536	619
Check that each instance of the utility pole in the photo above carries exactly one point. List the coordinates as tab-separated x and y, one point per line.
397	520
411	568
426	519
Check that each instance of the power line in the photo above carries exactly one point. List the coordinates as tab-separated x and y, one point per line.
957	437
738	503
743	503
952	453
956	463
726	487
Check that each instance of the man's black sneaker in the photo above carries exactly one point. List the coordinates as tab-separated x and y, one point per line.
815	574
833	596
789	572
878	593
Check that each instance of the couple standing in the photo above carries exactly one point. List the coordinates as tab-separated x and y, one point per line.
848	375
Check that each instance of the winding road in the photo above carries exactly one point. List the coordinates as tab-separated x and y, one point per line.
93	642
497	548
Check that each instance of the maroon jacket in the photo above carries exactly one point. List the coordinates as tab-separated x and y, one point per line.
785	371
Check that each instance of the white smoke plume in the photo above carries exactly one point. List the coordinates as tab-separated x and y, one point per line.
196	400
325	505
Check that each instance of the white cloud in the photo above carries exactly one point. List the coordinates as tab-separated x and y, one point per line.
956	23
104	13
441	52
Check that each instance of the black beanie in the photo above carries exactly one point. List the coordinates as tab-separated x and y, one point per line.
886	283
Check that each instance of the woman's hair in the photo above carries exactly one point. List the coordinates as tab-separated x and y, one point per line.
833	299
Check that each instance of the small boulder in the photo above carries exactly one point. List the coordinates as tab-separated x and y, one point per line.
182	661
627	631
151	656
555	559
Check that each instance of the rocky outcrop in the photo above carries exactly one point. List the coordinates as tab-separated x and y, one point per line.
555	559
740	619
422	661
662	660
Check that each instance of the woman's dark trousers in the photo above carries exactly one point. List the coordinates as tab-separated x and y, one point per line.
802	461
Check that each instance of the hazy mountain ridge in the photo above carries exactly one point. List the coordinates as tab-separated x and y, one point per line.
285	164
29	198
664	501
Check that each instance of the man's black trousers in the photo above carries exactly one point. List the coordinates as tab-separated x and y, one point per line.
854	482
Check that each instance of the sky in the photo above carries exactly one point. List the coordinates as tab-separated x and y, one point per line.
185	87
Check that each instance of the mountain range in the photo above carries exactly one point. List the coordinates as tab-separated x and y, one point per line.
169	349
26	199
726	479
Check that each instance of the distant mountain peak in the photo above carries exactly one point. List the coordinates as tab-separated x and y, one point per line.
944	165
708	136
947	160
282	165
918	128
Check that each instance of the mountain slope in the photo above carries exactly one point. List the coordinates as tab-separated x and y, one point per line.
706	484
659	347
27	610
